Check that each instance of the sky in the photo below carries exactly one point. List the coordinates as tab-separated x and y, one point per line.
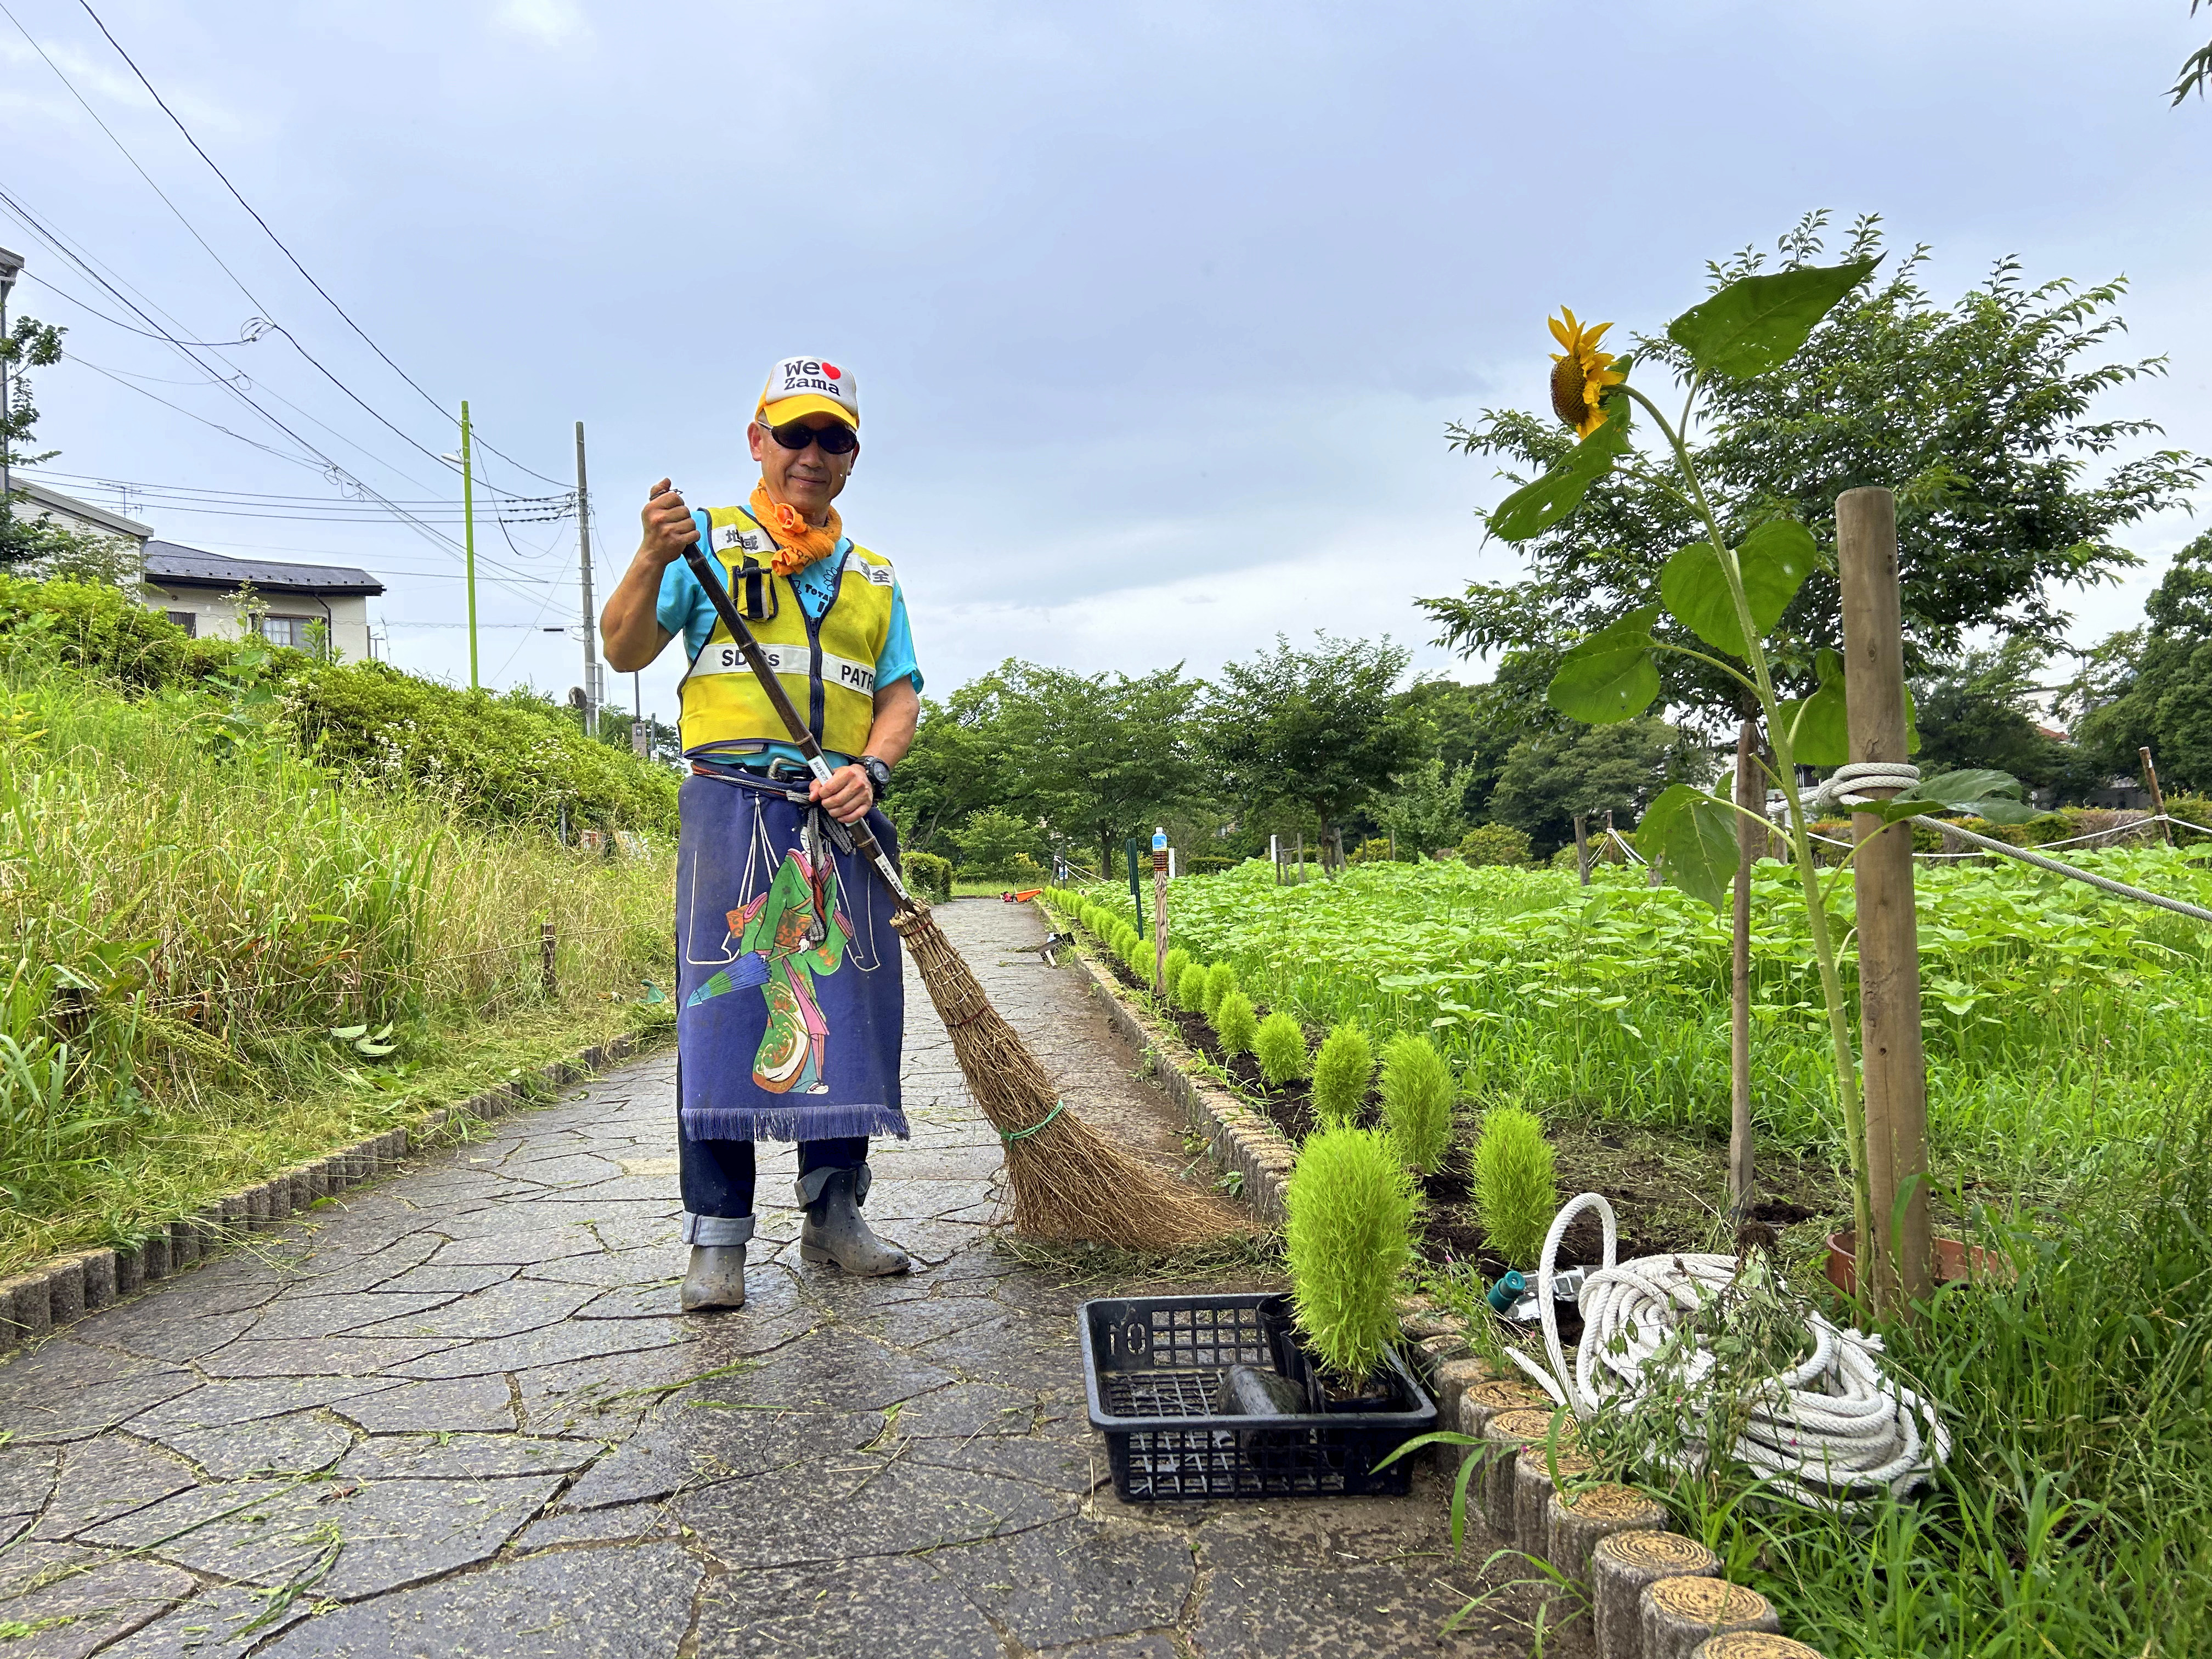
1159	312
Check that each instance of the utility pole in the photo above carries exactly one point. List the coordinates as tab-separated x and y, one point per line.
590	623
469	533
10	264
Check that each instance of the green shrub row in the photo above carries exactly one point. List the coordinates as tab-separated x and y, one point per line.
515	757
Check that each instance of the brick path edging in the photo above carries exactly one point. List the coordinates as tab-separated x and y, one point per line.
67	1287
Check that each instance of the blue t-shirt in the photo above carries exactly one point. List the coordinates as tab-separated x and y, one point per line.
684	608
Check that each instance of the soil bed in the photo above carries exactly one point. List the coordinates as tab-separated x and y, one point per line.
1667	1188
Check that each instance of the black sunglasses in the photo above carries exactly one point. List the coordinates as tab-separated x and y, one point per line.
835	439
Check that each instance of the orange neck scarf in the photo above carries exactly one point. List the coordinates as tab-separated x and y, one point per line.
799	544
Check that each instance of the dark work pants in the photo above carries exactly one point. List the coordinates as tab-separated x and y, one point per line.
718	1181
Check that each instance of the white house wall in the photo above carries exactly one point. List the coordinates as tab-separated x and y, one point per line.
216	613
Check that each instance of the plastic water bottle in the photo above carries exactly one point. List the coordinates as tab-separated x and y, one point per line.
1159	841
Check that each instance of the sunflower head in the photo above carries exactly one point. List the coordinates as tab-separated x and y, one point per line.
1582	373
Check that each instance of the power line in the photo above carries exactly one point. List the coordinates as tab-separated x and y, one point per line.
279	241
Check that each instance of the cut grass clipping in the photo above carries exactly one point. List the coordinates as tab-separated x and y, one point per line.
1515	1194
1279	1045
1349	1237
1416	1101
1342	1073
1234	1023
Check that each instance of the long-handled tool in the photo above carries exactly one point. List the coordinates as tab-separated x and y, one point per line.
1067	1181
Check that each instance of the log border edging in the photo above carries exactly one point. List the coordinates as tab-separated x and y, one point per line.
41	1299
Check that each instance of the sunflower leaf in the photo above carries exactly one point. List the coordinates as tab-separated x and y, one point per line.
1756	323
1690	837
1819	725
1611	676
1535	507
1774	560
1994	796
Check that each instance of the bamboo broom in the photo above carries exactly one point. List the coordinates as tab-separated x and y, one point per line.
1068	1182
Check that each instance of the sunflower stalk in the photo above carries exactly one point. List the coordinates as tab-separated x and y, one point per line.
1729	596
1781	734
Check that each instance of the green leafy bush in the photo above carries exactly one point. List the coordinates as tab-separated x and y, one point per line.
1416	1101
1190	990
1141	956
1342	1073
1234	1023
1220	980
1279	1045
994	845
1494	844
927	874
1171	972
1515	1194
1349	1239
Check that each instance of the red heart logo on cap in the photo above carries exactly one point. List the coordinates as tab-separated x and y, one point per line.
832	371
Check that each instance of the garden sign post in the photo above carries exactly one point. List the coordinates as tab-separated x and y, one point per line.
1136	893
1893	1063
1159	912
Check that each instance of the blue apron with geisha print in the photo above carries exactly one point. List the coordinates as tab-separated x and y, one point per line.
790	1004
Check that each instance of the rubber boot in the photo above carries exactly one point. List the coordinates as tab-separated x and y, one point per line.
834	1233
716	1277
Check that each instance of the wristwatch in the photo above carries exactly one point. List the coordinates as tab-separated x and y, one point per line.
879	773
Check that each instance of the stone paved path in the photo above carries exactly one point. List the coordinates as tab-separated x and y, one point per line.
454	1413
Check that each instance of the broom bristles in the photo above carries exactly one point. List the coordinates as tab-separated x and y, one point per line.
1068	1182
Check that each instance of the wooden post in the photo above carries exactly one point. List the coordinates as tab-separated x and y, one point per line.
1582	848
1300	854
1893	1063
546	940
1336	841
1750	796
1159	912
2157	798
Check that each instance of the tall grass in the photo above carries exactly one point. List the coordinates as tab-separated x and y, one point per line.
2054	1013
2075	1518
185	917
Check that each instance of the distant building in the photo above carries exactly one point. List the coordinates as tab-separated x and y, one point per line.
299	603
70	513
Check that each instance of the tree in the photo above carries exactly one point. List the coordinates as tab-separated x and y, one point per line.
1101	755
1977	413
29	344
1588	770
1974	714
2195	68
1317	729
2152	687
1424	809
962	760
995	844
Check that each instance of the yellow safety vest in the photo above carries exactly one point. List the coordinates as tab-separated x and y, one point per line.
827	666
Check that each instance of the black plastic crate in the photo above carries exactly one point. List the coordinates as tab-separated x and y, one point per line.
1153	1366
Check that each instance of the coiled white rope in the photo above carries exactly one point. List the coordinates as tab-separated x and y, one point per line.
1832	1431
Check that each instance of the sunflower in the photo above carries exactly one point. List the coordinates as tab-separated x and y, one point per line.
1581	375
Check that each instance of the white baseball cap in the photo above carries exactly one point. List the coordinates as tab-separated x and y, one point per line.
799	387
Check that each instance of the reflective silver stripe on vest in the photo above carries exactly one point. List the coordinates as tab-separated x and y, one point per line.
723	657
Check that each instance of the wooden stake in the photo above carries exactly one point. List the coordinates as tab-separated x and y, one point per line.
2157	798
1159	919
1893	1063
1751	796
1582	848
546	940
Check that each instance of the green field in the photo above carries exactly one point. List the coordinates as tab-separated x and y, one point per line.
2058	1019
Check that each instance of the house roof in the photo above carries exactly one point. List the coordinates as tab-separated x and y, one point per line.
168	565
54	501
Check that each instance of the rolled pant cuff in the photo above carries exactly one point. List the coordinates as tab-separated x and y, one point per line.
717	1232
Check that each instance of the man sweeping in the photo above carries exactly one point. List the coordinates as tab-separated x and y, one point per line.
790	1007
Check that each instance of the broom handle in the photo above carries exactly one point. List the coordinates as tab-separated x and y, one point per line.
816	762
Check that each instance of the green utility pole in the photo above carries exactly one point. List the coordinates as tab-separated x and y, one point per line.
1136	893
469	533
